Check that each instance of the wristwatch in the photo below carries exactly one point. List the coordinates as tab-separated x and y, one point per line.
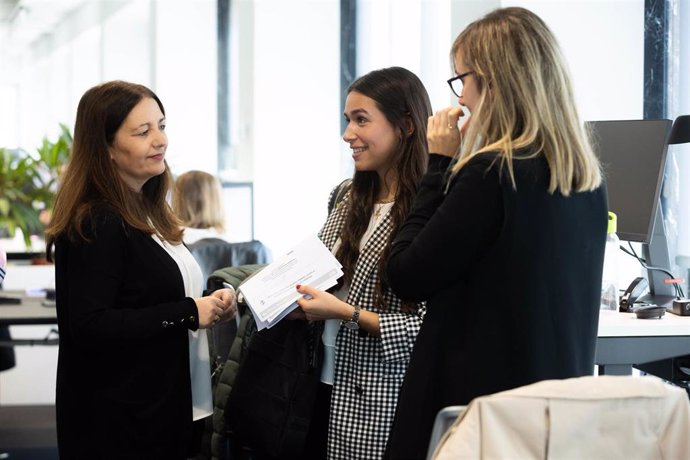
353	323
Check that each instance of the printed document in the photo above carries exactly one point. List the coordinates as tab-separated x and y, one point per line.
271	294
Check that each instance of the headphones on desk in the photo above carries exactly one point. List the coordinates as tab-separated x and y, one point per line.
638	287
629	304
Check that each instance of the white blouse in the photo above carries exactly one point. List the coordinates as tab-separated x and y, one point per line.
199	360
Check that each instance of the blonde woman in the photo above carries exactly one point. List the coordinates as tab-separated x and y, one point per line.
197	201
506	243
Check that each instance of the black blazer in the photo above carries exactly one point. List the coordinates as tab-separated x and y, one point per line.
513	282
123	383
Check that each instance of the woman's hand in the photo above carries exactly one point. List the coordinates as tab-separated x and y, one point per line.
296	314
319	305
229	299
210	311
442	133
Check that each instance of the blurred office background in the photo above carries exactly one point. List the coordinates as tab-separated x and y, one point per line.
253	89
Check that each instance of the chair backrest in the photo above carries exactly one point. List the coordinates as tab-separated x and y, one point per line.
215	253
444	419
586	417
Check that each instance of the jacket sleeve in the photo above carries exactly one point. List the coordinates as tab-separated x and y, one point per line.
95	272
445	234
399	332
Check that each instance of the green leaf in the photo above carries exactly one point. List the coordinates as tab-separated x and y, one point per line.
27	183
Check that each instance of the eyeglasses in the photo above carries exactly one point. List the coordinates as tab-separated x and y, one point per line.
456	83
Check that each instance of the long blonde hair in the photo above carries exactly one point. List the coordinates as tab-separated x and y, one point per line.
525	99
197	201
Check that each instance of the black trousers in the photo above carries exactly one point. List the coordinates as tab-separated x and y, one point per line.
317	438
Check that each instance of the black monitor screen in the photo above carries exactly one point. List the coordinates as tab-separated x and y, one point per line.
633	157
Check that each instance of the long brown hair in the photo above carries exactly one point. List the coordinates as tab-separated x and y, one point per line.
402	98
526	99
91	178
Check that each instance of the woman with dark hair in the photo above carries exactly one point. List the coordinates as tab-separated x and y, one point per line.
369	332
133	370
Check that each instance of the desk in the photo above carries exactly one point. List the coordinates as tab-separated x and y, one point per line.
32	380
623	340
30	311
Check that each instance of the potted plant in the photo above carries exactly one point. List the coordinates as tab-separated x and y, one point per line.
28	184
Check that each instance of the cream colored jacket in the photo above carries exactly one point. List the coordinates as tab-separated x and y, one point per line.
580	418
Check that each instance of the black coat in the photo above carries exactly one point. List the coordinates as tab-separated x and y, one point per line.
123	382
513	283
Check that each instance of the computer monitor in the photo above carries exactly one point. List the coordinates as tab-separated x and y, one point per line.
633	158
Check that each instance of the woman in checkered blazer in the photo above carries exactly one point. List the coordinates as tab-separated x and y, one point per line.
369	332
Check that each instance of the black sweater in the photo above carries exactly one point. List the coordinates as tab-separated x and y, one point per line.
512	279
123	383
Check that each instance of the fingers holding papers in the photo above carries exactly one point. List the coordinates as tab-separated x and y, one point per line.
319	305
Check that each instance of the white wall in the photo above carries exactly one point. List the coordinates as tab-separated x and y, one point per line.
603	42
169	46
296	116
185	77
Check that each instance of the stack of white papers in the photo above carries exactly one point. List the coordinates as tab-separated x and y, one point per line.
271	294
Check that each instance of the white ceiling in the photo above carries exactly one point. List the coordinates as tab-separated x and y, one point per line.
22	22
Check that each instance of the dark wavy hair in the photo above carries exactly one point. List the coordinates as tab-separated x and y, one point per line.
91	178
402	98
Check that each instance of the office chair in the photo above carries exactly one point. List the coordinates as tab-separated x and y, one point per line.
613	417
215	253
443	421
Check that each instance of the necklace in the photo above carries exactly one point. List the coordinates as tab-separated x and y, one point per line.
379	207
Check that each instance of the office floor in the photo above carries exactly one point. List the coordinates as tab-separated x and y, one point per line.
28	433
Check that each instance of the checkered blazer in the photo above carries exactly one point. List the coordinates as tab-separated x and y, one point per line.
368	370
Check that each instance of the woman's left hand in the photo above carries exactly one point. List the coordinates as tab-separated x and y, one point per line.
442	133
318	305
229	299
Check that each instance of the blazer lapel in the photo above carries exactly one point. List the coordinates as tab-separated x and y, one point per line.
369	259
369	256
330	232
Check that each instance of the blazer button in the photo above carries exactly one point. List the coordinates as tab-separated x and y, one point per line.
165	324
191	319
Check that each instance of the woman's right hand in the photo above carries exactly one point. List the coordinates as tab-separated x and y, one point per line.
442	133
210	311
